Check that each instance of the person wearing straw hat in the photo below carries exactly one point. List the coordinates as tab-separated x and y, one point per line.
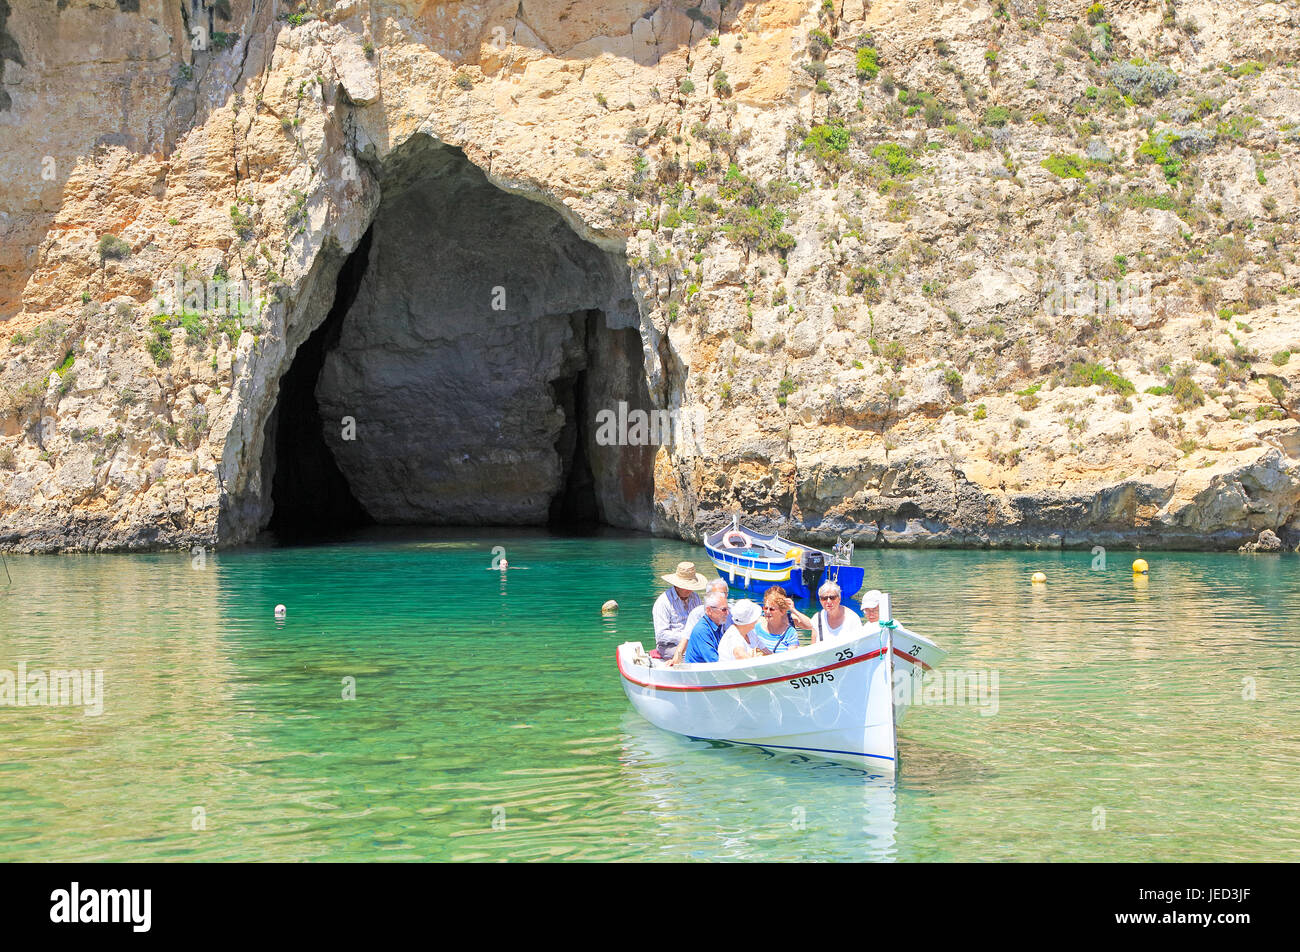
674	606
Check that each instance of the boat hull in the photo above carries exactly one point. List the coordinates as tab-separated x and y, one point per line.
830	700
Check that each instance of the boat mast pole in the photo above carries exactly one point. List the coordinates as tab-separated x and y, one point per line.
887	629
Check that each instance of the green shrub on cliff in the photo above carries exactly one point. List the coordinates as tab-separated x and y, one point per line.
868	63
758	228
1063	165
242	222
1187	392
1157	149
997	116
160	344
1248	68
111	246
895	353
786	387
827	143
896	159
1095	375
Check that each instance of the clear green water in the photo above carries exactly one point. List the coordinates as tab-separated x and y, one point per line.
489	722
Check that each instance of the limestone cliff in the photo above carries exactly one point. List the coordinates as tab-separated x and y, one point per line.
920	272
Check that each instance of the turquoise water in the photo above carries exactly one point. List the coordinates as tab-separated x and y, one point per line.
1155	720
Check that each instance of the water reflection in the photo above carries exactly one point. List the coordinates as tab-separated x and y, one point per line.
746	803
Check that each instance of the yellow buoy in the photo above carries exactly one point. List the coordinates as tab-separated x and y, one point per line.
1039	578
1140	567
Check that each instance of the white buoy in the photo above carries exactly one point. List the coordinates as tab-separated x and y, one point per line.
280	611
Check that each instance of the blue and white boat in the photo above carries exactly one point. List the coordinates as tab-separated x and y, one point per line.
755	561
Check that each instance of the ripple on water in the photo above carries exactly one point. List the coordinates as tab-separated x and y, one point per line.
489	724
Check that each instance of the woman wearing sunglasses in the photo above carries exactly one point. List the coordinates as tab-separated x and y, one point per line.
834	621
776	632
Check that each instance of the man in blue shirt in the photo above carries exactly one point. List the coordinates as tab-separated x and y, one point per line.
700	646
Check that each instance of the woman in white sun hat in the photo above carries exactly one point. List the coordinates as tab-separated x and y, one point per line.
740	641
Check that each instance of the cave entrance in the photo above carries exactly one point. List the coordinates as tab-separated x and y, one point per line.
311	496
455	380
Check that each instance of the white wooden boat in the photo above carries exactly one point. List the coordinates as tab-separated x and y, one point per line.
831	700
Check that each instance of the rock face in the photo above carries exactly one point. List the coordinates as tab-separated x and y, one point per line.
923	273
1267	542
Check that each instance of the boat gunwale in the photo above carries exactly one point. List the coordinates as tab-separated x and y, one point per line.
772	565
759	682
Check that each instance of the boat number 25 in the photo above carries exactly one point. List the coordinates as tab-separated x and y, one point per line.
809	680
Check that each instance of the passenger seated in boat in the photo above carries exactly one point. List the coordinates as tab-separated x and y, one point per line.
740	642
674	606
835	620
700	646
776	632
871	607
693	619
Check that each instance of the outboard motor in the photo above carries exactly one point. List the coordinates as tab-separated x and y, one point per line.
814	567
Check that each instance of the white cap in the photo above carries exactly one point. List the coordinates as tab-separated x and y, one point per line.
744	612
872	599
